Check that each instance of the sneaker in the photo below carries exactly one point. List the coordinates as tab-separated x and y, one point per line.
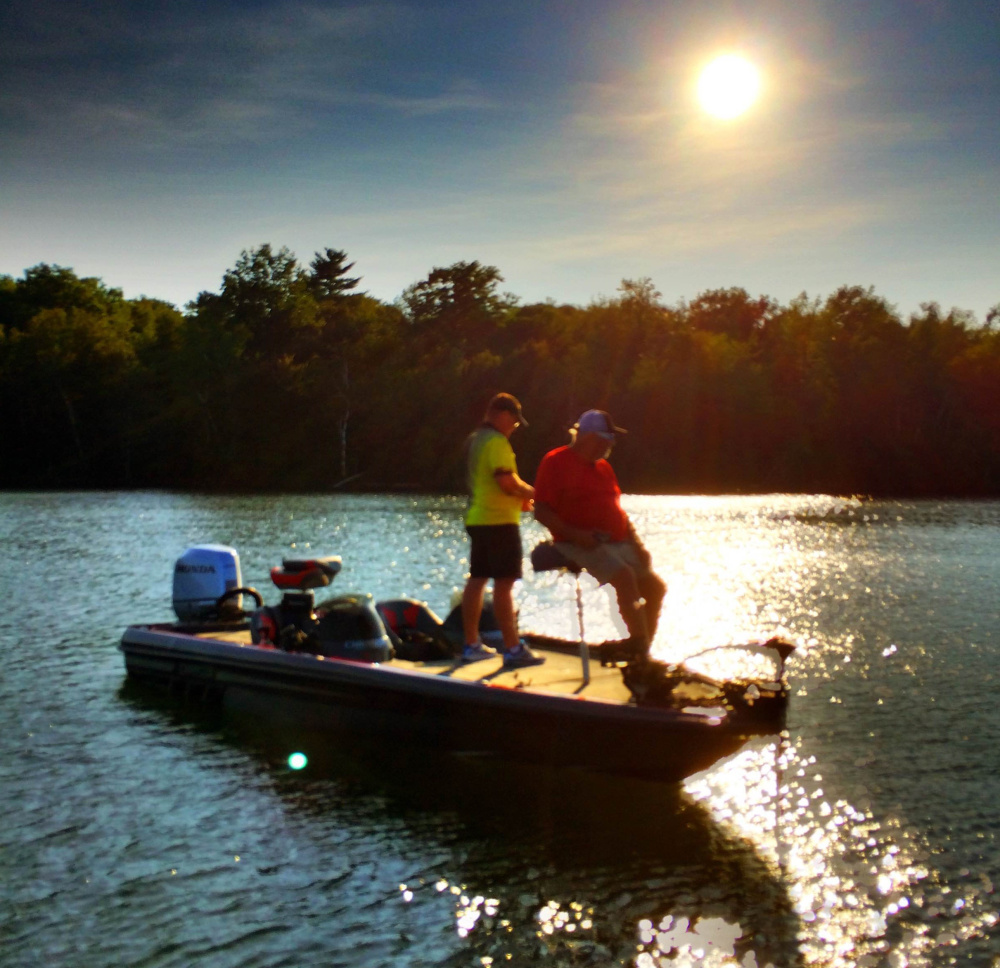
521	658
478	652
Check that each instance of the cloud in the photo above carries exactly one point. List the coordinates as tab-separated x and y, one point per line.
186	74
816	161
461	97
669	237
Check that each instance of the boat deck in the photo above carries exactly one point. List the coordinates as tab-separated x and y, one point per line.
561	674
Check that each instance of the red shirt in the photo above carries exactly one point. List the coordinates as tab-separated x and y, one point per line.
584	494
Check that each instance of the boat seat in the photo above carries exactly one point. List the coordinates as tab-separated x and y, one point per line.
545	556
303	573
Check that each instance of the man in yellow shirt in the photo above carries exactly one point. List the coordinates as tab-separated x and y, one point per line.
493	523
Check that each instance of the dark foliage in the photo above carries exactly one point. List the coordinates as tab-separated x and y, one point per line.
289	378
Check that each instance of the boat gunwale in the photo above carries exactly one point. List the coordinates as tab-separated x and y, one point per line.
167	641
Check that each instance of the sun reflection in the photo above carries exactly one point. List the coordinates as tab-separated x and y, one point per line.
864	888
859	893
553	917
709	942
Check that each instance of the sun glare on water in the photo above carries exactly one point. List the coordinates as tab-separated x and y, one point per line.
728	86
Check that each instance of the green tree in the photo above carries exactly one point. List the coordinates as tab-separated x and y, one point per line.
266	296
732	312
458	303
69	368
352	370
54	287
328	277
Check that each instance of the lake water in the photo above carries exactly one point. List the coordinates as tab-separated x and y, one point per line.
140	832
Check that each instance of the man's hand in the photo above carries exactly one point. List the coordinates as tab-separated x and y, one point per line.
581	537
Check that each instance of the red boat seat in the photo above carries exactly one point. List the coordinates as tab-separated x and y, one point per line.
303	573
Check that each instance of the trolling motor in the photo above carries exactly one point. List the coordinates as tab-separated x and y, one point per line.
757	705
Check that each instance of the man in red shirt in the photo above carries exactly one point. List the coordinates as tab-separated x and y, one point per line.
578	499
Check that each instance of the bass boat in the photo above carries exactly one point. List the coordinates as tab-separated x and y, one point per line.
393	669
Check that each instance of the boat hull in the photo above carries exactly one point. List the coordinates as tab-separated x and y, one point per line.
447	707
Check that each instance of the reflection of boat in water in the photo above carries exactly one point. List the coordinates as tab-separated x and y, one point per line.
592	857
626	715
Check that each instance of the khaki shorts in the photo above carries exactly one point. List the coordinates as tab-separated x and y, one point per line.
606	560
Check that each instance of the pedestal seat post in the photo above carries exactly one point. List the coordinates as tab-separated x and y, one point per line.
545	556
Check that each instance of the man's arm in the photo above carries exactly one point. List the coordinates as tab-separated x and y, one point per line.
511	484
544	515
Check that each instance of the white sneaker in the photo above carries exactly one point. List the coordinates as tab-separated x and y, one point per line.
478	652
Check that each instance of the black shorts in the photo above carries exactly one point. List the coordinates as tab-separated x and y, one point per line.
496	550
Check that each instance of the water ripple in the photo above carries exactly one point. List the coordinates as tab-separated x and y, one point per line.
143	832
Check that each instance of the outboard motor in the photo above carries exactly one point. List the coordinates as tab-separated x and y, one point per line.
202	576
346	626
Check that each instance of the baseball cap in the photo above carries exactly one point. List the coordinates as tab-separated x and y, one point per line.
598	422
510	403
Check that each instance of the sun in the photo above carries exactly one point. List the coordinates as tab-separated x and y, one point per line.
728	86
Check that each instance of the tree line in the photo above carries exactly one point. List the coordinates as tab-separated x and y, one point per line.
291	377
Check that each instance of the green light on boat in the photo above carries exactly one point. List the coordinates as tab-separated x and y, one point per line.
297	761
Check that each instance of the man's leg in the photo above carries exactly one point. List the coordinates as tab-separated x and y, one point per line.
472	608
630	604
503	607
653	589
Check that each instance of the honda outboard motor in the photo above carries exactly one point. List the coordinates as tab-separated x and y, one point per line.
202	575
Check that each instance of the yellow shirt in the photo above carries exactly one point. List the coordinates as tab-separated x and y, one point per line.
490	451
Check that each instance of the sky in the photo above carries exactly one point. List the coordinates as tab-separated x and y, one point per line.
149	143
